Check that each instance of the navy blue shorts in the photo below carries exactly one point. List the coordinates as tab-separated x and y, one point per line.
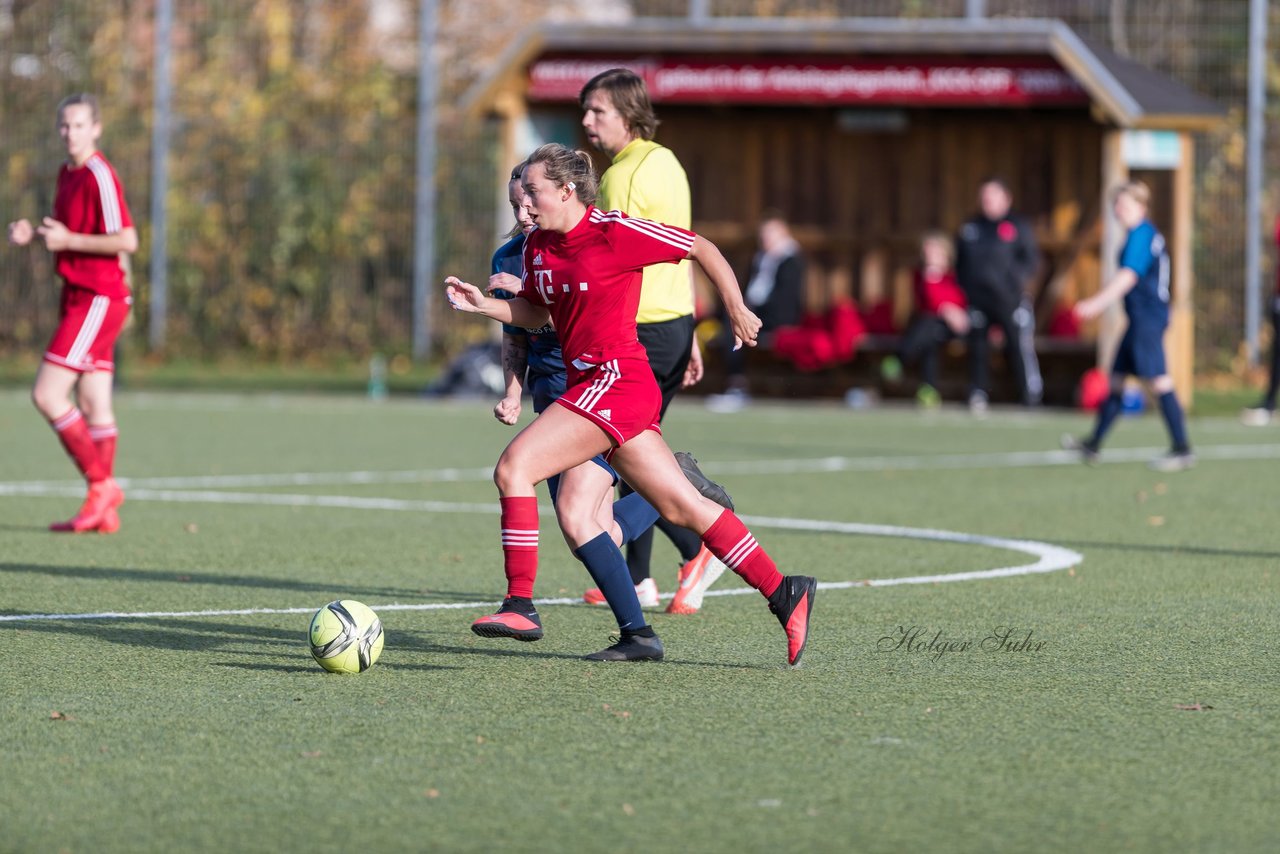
546	389
1141	353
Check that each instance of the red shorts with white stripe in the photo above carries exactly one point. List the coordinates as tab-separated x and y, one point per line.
620	396
86	335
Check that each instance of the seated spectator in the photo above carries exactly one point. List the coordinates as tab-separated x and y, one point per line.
775	292
941	314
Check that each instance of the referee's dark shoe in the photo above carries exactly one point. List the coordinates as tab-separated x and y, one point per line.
707	487
792	603
1088	453
516	619
631	647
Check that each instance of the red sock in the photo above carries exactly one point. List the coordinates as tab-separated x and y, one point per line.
74	434
520	544
730	541
104	439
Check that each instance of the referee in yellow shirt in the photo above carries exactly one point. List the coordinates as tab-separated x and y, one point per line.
646	180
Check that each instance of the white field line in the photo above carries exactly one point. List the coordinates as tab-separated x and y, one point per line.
812	465
1049	558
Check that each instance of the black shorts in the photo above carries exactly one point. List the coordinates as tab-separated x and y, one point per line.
669	344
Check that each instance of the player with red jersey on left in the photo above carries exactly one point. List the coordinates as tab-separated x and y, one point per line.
89	231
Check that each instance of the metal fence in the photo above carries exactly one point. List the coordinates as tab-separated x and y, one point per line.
291	164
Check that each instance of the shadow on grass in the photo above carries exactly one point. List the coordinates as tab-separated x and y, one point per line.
174	576
1209	551
26	529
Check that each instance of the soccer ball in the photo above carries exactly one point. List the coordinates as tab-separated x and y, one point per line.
346	637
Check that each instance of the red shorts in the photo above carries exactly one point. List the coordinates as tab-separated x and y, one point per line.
620	396
86	334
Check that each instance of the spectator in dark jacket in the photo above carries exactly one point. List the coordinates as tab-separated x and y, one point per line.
775	292
996	257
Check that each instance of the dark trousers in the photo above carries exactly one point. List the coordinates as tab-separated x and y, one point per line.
1273	381
1018	324
925	336
669	344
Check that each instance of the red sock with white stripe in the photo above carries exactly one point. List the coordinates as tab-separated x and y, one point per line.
520	545
74	435
730	541
104	439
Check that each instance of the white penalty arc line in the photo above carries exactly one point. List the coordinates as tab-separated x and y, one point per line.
1049	558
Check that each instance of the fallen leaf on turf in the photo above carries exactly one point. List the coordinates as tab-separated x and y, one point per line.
1142	497
1155	521
1193	707
431	793
628	809
312	754
59	716
191	528
184	578
479	739
1160	488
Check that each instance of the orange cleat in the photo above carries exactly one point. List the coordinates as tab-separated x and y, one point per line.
646	592
792	603
695	577
98	512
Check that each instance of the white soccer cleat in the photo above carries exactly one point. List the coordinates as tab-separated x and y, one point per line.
1257	416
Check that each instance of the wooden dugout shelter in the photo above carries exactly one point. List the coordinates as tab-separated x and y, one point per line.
865	133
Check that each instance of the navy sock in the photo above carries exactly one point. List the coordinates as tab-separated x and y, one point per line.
634	516
553	487
1107	413
1172	412
608	568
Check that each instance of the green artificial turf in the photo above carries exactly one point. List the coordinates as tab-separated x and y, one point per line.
218	733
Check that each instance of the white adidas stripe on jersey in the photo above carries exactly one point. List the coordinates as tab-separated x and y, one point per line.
112	220
656	230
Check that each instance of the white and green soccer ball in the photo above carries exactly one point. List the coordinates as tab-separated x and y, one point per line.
346	637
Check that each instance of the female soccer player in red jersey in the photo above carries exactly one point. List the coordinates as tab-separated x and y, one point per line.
89	231
582	272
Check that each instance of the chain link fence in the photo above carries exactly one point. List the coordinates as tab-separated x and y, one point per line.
292	160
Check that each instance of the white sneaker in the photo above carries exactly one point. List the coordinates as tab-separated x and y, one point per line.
1256	416
733	400
1173	461
978	403
646	592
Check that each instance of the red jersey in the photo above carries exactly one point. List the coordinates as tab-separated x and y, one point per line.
934	290
90	200
590	280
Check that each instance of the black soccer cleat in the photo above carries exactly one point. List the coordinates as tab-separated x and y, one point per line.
707	487
511	621
1087	450
792	603
630	648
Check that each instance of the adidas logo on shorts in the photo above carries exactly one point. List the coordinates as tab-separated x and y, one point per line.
606	414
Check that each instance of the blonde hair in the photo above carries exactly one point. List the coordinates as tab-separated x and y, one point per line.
1136	190
943	238
566	167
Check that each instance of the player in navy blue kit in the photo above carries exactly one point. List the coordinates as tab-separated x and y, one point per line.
1142	280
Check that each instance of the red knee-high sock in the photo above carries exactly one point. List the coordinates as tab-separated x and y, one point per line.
730	541
104	439
74	434
520	544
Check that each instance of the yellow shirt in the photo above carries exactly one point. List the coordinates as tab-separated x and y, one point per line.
647	180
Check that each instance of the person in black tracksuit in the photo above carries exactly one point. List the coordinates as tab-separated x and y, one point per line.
996	256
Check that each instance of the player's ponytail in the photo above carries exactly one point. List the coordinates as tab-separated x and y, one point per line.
568	168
